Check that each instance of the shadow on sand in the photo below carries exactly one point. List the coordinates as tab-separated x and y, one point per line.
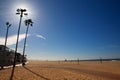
36	73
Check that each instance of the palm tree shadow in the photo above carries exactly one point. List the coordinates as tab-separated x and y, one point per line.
36	73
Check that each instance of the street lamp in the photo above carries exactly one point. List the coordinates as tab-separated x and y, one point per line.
28	23
20	12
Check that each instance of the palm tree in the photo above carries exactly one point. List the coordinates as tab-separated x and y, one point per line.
8	25
28	23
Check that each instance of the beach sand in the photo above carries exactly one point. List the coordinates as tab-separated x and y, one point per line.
45	70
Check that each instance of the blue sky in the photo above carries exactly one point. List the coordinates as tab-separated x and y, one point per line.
62	29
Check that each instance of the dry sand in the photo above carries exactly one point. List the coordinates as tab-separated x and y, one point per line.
38	70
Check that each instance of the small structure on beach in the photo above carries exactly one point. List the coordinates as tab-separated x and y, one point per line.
7	57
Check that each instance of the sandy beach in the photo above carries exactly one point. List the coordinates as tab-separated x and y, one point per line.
43	70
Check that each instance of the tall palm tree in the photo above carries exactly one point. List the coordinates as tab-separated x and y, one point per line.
28	23
8	26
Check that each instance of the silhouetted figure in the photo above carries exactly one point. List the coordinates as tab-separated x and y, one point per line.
65	60
100	60
78	60
23	64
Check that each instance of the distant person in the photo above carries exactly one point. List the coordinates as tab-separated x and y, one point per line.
101	60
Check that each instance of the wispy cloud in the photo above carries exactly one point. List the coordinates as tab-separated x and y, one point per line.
40	36
12	39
